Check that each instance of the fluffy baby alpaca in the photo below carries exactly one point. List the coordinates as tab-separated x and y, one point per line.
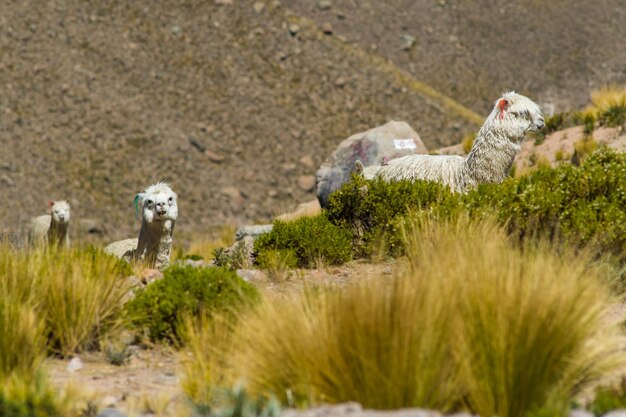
491	156
159	209
51	229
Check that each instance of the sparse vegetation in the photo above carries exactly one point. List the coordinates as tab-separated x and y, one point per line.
277	263
356	344
584	148
205	247
77	293
559	155
233	258
468	142
24	389
609	398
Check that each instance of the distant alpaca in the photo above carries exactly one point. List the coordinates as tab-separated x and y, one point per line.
51	229
159	209
491	156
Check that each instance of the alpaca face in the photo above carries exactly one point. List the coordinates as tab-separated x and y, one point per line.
158	203
516	114
60	211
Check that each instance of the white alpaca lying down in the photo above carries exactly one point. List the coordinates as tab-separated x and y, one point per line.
489	161
51	229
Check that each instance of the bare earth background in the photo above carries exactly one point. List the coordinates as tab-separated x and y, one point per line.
232	100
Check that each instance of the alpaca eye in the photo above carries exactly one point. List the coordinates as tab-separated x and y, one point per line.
171	199
149	202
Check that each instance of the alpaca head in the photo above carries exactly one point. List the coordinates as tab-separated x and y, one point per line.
514	114
60	211
158	203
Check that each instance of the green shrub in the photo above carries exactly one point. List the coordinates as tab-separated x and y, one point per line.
374	210
188	291
585	204
555	122
236	402
235	257
277	263
614	116
313	240
582	205
609	399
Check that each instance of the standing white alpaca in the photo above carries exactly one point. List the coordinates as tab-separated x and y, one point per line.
159	208
491	156
51	229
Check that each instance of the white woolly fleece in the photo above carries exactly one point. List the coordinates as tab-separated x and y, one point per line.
491	157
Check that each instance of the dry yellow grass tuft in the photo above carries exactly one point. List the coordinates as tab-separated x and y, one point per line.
470	320
605	98
205	245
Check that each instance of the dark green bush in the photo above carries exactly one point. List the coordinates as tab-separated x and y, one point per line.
609	399
374	210
614	116
555	122
312	240
188	290
585	204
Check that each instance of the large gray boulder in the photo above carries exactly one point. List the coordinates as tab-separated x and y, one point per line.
391	140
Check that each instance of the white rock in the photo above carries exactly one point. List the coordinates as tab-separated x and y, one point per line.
75	365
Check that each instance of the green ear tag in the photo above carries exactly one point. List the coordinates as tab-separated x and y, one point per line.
136	205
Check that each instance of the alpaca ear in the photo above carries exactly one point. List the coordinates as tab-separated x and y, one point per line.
138	202
503	105
50	204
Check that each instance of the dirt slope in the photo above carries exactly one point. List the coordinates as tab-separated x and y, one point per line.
100	98
554	50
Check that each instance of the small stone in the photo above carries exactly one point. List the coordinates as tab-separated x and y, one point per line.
258	6
75	365
453	39
8	181
324	4
148	276
306	182
294	29
110	412
234	194
580	413
253	231
289	167
615	413
194	142
340	82
408	42
223	2
307	161
327	28
109	401
214	157
176	30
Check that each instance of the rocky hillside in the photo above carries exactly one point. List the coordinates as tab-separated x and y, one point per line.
232	101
